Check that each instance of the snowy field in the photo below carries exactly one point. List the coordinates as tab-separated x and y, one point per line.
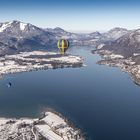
50	127
28	61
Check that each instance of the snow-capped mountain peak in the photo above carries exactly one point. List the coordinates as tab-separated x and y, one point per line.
4	26
11	24
22	36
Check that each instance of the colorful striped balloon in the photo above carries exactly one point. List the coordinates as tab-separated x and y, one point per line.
63	45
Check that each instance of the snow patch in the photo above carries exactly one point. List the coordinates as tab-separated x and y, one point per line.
5	26
22	26
136	54
100	46
116	56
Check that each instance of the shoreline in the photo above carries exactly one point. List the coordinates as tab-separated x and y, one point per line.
51	124
37	60
125	65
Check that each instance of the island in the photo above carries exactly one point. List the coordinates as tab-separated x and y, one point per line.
50	126
36	60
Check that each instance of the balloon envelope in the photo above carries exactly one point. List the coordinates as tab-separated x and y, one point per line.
63	45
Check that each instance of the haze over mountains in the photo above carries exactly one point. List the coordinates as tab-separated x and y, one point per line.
17	36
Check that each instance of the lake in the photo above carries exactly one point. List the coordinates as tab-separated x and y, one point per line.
103	101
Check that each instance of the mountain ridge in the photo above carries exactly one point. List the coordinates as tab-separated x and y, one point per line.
22	36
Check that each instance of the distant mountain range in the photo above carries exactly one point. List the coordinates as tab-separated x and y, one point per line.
17	36
93	38
127	45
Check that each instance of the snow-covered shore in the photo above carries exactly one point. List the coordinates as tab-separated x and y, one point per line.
130	65
49	127
28	61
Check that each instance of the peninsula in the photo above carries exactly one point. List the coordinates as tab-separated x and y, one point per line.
51	126
123	53
35	60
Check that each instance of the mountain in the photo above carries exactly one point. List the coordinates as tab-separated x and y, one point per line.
127	45
56	30
6	49
114	33
94	38
25	36
61	33
17	36
123	53
76	39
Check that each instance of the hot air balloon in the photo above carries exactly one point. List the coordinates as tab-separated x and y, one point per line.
63	45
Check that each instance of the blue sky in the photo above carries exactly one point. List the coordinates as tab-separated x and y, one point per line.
73	15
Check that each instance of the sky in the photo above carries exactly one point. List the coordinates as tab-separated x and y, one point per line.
73	15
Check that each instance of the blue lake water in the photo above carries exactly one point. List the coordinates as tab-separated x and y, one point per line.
102	100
